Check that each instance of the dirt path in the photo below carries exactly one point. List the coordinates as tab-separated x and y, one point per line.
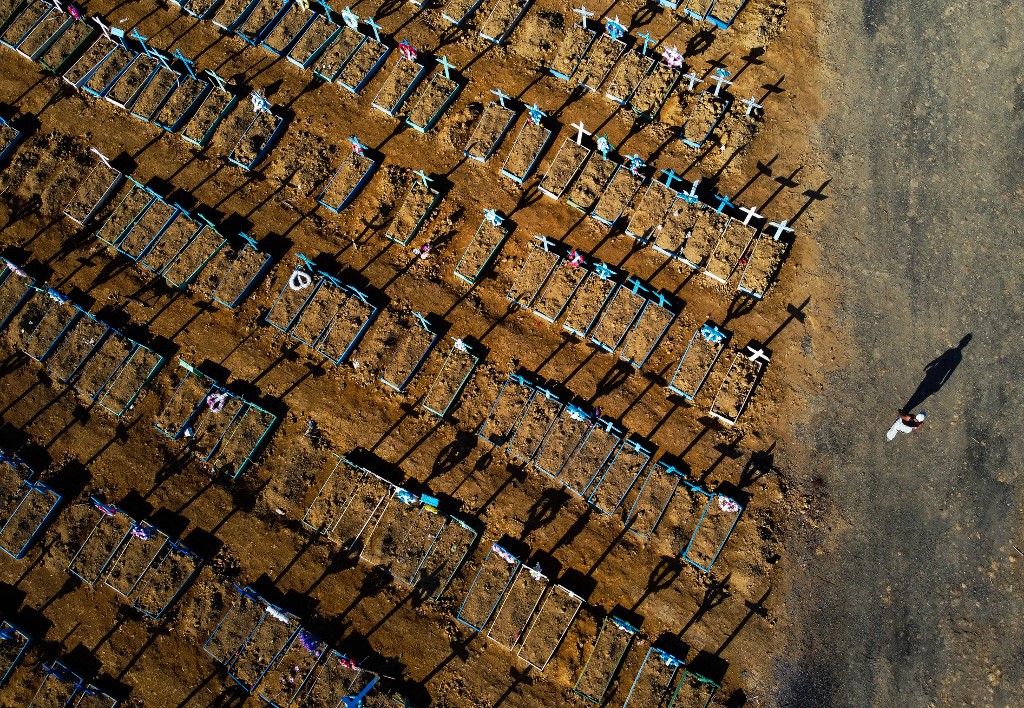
914	601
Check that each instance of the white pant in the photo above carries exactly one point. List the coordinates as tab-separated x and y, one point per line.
898	427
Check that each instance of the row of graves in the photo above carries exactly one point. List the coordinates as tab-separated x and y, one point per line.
717	13
28	505
600	462
332	317
103	364
158	87
60	685
184	247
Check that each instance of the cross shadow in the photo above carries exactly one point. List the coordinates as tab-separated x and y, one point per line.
936	373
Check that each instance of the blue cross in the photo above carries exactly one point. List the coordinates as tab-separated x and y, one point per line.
501	96
723	202
186	61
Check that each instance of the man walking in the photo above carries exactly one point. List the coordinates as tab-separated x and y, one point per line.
906	423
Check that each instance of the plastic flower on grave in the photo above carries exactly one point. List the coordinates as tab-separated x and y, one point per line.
604	146
309	643
614	28
493	218
536	114
672	57
357	147
258	102
635	163
407	50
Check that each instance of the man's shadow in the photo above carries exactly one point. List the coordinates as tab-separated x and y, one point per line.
936	374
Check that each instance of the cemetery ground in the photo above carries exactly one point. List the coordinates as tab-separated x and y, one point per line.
249	529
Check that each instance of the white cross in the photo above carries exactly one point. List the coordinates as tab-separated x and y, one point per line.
579	135
720	78
106	161
103	28
693	79
691	196
780	228
584	14
545	243
501	96
221	84
756	354
751	104
751	214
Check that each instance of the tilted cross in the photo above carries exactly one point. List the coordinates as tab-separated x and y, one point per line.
691	196
328	11
448	66
501	96
545	243
186	61
493	218
693	79
423	178
723	202
670	177
350	18
372	24
357	700
751	104
751	214
584	14
164	60
756	354
138	37
646	36
221	83
103	158
581	131
780	228
634	284
720	77
103	28
424	322
661	299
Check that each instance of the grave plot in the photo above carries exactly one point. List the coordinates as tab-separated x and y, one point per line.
539	264
14	475
92	697
619	476
707	229
362	64
563	437
632	68
410	352
672	236
165	580
170	242
9	137
58	687
127	87
34	511
502	20
346	183
81	340
652	687
507	410
433	99
294	667
126	384
366	502
575	43
191	259
682	513
489	130
238	273
525	152
47	31
126	213
93	192
236	626
104	540
423	532
650	214
24	22
7	10
318	311
697	9
214	107
257	139
731	246
701	353
155	94
491	580
346	329
200	9
713	529
445	558
219	410
591	183
399	84
261	20
739	384
451	379
623	310
624	184
334	680
73	40
650	327
694	690
273	633
243	441
182	103
763	264
549	627
653	499
105	360
141	547
310	43
27	318
563	168
544	407
15	288
383	538
603	663
81	70
334	57
13	644
653	91
150	224
333	498
232	13
104	74
724	12
487	241
704	118
603	54
458	11
184	404
59	317
523	597
590	299
419	201
582	469
559	288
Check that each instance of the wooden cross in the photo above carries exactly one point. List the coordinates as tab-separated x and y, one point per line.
501	96
693	79
756	354
448	66
720	77
751	214
103	28
307	261
422	319
780	228
375	27
751	104
103	158
423	178
134	34
186	61
164	60
584	14
723	202
646	36
581	131
670	177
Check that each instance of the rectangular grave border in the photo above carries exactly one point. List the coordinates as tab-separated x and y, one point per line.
393	111
436	116
629	444
457	21
31	488
473	278
107	511
725	108
462	347
365	78
443	586
519	179
632	285
610	624
771	242
658	468
101	165
540	612
536	576
700	679
497	550
435	197
493	147
576	172
235	22
540	392
724	22
57	671
655	183
248	243
111	56
10	270
72	55
157	233
625	204
500	39
658	655
624	100
422	322
711	334
57	300
210	386
429	505
273	135
712	499
351	469
215	123
15	42
10	632
144	531
576	413
257	37
543	245
130	100
356	189
565	77
366	300
758	357
321	14
311	277
602	272
155	566
659	301
617	435
310	643
271	613
49	41
517	379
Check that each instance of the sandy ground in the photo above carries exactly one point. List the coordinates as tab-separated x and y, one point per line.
731	620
